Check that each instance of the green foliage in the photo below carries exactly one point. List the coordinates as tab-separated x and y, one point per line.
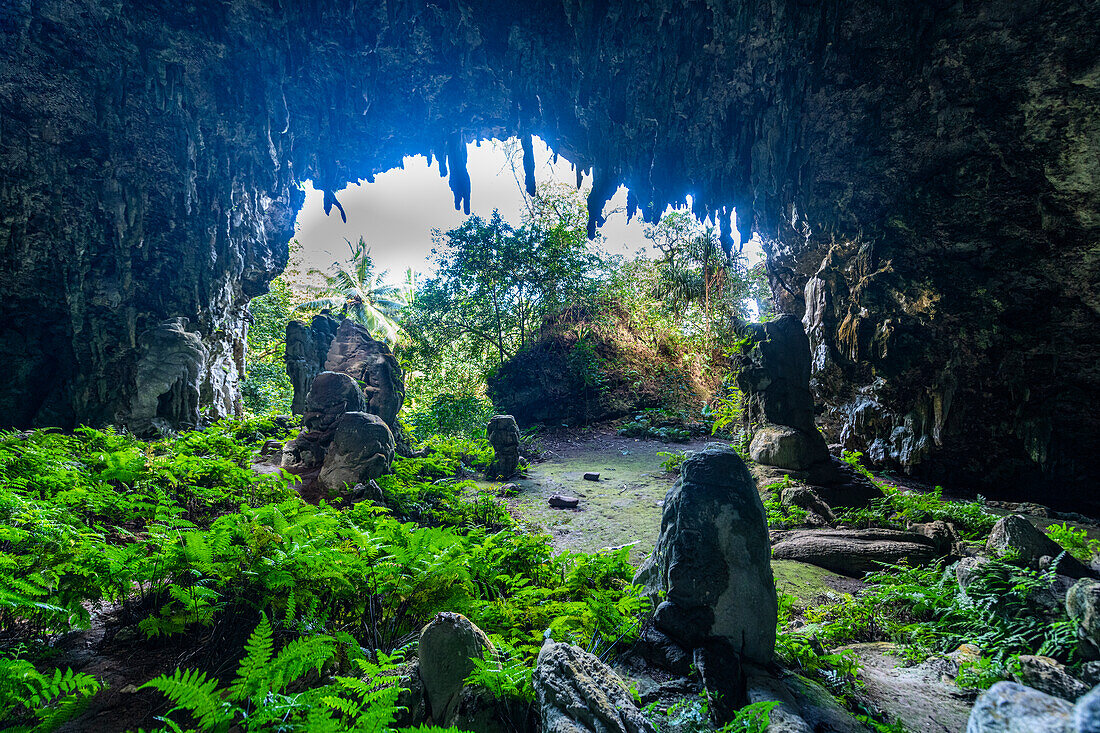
898	508
448	414
32	701
657	423
260	698
266	387
356	291
673	461
185	538
1075	541
506	675
753	718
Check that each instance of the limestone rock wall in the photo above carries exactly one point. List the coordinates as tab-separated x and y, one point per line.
924	175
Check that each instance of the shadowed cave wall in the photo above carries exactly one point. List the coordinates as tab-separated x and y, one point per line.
925	175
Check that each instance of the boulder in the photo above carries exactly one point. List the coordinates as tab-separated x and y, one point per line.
371	363
774	375
943	535
710	574
331	395
1086	713
306	351
787	447
1014	535
1048	675
503	434
361	451
808	499
854	552
167	379
1083	606
447	644
577	693
1009	707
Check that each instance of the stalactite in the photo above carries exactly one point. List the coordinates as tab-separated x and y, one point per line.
528	164
459	180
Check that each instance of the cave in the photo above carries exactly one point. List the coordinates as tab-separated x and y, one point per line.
925	177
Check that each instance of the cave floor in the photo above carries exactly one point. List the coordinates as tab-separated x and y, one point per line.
624	507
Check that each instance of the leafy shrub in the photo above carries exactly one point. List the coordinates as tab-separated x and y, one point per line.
1075	541
659	424
673	461
898	508
461	415
30	700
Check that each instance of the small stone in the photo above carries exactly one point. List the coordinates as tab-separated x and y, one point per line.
591	476
559	501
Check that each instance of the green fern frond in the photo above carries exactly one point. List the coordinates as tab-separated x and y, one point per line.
253	678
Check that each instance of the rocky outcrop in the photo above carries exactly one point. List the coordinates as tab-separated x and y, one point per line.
447	644
306	352
774	375
577	693
361	451
854	551
503	434
168	380
372	365
710	574
330	397
923	177
1048	675
1008	707
1083	606
1019	539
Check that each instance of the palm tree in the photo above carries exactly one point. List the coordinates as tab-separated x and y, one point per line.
355	291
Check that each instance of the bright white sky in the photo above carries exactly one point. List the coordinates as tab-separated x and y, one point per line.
395	215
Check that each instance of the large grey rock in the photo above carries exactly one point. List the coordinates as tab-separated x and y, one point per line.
306	351
361	451
167	380
943	535
1050	676
1086	713
854	551
774	375
1015	536
1008	707
370	363
330	396
710	572
577	693
503	434
919	696
1083	606
818	512
787	447
447	644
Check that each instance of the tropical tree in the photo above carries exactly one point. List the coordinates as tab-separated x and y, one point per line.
355	291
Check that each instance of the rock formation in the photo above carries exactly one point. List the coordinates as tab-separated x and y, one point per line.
710	576
923	177
447	644
1008	707
854	551
1020	538
361	451
372	365
774	376
306	353
503	434
167	380
577	693
1083	606
330	397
